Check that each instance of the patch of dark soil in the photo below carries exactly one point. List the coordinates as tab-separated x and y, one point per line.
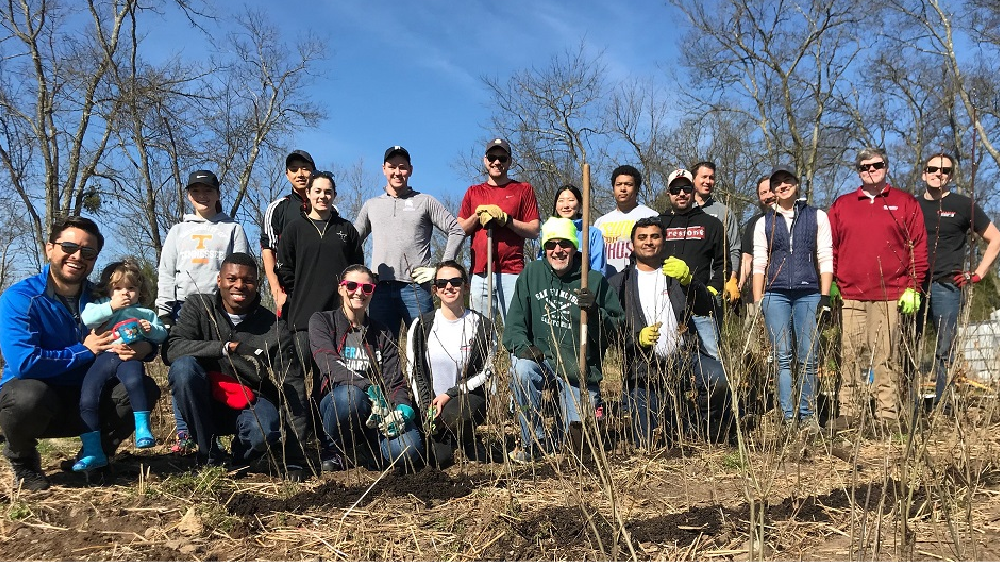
564	527
679	528
428	485
567	530
869	496
809	508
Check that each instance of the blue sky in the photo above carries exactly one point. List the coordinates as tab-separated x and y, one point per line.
409	73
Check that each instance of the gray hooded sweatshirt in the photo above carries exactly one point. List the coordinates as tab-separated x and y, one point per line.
192	256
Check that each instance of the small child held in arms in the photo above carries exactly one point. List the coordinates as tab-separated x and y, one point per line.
117	307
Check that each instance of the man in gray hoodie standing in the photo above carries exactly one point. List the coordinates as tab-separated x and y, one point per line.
402	222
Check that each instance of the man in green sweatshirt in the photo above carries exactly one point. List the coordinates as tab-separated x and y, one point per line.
543	332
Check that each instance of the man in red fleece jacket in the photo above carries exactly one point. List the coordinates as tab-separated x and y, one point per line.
880	260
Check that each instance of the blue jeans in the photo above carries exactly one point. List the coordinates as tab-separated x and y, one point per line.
529	380
503	294
945	303
344	411
652	403
395	302
256	428
708	334
788	314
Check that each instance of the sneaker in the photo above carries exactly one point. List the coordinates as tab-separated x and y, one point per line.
28	474
523	457
331	460
184	445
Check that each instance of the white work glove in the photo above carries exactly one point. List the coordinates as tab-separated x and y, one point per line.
422	275
394	422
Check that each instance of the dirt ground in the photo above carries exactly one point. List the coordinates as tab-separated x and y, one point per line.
832	500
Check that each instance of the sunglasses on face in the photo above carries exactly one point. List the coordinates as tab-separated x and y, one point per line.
946	170
553	244
456	282
502	158
870	167
366	288
676	190
86	252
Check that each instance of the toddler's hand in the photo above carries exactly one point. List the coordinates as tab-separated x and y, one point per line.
145	325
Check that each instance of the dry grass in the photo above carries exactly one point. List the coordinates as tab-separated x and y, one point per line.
927	495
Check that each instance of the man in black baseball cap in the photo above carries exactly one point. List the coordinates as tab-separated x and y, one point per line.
299	168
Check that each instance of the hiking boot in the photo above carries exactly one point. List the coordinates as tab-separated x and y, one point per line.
28	473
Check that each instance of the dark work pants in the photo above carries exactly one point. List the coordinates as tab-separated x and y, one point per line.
456	426
31	409
106	367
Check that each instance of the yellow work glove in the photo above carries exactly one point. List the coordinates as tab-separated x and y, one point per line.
732	290
713	290
676	268
649	335
491	212
909	302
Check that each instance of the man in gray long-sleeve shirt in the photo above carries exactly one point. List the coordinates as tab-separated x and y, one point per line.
401	222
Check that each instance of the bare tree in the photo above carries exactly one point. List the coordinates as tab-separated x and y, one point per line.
54	139
552	115
261	97
781	64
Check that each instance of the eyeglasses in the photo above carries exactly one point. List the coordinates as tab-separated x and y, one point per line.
86	252
502	158
676	190
366	288
553	244
945	170
456	282
870	167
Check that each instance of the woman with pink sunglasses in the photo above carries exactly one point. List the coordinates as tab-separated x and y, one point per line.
364	401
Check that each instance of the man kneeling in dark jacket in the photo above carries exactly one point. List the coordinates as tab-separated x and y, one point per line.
661	353
232	366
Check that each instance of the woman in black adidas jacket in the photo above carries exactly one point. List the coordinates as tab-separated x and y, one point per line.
449	359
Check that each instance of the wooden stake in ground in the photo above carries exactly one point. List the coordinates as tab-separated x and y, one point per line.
584	271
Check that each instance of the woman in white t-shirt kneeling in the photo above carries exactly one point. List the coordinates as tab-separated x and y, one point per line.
449	356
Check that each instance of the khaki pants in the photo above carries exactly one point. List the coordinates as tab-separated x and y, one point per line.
871	332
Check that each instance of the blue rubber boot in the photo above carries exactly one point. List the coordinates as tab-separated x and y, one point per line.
143	436
91	455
